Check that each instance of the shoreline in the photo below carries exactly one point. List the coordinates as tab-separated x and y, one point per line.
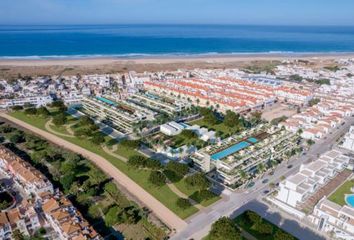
168	58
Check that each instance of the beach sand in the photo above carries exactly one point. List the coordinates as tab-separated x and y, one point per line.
10	68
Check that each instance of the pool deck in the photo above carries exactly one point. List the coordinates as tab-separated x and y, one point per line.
245	143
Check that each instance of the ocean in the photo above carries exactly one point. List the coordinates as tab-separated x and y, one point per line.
84	41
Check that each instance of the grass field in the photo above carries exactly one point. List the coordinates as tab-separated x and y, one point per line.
339	194
217	127
191	192
163	194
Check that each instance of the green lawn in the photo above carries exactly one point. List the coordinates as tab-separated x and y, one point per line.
190	191
339	195
163	194
217	127
126	152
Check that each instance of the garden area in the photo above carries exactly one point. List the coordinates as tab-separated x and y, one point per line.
224	126
248	223
91	190
339	195
124	151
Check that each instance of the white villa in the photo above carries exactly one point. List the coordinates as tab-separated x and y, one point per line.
349	140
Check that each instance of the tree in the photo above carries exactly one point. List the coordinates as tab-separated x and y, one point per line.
224	229
314	101
178	168
43	111
137	161
17	108
253	217
98	139
231	119
111	217
264	228
295	78
189	134
198	180
68	167
153	164
59	119
31	111
58	104
281	235
86	121
183	203
66	180
17	138
17	235
157	178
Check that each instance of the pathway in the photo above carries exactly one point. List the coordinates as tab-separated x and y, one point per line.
174	189
48	128
160	210
111	152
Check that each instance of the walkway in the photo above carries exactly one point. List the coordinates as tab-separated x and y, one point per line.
111	152
174	189
160	210
49	129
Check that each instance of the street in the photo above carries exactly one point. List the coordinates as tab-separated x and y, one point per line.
199	224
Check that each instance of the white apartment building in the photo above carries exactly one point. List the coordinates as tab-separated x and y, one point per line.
297	188
349	140
118	115
172	128
336	220
36	101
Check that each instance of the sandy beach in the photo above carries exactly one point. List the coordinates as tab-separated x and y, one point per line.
10	68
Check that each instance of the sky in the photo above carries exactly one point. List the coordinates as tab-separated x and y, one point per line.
254	12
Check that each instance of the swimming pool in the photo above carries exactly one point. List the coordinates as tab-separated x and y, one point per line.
252	140
107	101
350	200
228	151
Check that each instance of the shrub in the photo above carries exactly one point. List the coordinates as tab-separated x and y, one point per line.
264	228
198	180
17	108
17	138
153	164
98	139
253	217
183	203
31	111
179	168
157	178
224	229
60	119
43	111
137	161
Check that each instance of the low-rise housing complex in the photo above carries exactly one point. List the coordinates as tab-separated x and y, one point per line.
240	155
40	206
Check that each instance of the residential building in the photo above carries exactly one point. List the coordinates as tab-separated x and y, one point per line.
348	142
336	220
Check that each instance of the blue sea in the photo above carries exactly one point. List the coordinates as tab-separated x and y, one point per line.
84	41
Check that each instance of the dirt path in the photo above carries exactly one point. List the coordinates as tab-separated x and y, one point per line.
69	130
165	214
47	126
174	189
111	152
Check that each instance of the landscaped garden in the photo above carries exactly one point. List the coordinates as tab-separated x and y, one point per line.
248	223
91	190
339	195
85	139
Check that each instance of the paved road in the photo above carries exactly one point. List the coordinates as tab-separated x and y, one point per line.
200	223
162	212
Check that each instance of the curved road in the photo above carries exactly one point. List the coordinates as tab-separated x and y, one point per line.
162	212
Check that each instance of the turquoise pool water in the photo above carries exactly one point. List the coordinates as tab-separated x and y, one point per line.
252	140
234	148
228	151
350	200
107	101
